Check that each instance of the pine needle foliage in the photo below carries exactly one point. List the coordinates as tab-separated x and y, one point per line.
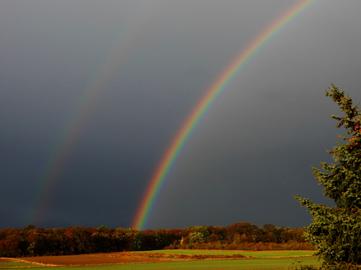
336	230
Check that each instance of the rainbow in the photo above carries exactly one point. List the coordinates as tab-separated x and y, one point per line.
115	57
183	134
72	133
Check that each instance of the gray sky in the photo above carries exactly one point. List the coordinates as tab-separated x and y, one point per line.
150	61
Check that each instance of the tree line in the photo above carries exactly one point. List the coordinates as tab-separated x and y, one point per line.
33	241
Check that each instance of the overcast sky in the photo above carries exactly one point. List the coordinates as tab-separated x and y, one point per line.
147	62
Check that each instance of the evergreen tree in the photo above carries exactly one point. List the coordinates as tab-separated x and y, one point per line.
336	230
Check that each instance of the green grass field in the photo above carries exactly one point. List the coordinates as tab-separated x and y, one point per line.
254	254
13	265
258	260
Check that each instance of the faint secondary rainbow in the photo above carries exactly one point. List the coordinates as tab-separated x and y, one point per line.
114	58
73	130
178	142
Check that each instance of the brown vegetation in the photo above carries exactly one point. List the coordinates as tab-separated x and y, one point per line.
119	258
32	241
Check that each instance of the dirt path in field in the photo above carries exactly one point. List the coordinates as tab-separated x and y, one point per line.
25	261
119	258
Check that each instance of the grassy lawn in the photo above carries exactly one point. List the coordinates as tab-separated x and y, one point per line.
253	254
255	264
260	260
13	265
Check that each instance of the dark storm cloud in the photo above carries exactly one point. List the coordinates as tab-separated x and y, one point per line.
245	161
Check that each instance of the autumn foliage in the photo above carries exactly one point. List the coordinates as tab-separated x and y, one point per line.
32	241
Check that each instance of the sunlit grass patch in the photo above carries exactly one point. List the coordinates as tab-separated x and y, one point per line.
14	265
253	254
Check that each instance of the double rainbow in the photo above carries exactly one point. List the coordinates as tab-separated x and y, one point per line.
178	142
